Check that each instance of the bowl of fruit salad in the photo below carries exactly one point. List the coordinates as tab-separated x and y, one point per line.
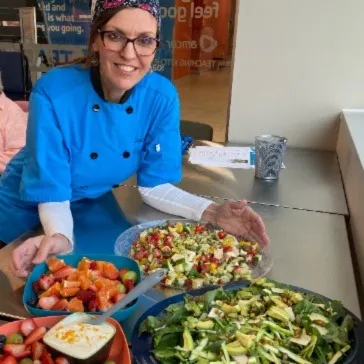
72	283
31	341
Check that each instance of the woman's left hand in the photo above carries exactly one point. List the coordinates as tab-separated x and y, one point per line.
237	218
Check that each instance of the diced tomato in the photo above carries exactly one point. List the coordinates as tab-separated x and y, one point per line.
253	253
153	239
227	249
188	283
205	258
214	260
157	253
139	255
221	234
167	243
199	229
205	267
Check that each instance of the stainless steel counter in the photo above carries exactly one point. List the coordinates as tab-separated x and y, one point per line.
311	181
311	251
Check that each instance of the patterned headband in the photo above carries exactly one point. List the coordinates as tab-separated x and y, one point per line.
151	6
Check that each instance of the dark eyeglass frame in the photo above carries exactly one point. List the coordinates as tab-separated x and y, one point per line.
128	40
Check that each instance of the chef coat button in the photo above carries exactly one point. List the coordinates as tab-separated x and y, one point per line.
96	108
126	154
94	155
129	110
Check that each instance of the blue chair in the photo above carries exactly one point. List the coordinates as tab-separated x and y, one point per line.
15	75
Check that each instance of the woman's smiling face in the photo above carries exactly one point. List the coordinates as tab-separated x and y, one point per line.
122	68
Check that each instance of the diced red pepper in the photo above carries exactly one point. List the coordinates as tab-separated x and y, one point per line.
221	234
188	283
199	229
214	260
227	249
205	267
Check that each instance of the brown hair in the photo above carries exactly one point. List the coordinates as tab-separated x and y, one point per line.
94	31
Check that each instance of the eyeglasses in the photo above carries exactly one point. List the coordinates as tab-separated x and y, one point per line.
115	41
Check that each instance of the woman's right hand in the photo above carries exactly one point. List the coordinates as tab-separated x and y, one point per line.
36	250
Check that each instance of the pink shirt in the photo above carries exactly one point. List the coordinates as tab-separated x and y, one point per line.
13	124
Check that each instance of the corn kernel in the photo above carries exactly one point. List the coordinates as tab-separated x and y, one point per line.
213	266
174	250
213	271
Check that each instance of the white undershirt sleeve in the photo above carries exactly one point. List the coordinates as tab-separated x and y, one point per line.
56	218
173	200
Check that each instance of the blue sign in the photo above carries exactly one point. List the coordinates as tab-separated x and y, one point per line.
68	20
69	24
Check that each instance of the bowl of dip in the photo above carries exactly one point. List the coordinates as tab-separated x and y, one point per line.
116	349
80	342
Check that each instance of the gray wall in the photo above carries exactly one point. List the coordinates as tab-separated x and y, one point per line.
297	63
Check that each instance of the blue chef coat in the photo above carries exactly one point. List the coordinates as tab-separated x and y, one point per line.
79	145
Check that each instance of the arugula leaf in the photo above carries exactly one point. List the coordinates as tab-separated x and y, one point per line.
166	356
194	274
168	341
167	330
177	316
306	307
214	347
209	297
149	325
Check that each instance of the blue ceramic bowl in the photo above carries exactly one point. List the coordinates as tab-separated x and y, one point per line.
73	260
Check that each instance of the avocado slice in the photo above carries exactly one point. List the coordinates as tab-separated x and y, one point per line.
188	343
246	340
230	309
279	314
318	319
278	302
235	348
205	325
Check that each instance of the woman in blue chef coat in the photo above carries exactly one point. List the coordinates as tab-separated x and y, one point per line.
94	124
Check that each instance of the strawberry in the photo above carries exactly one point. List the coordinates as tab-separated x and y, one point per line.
86	296
129	284
63	273
61	360
36	335
61	305
37	349
93	305
93	265
48	302
45	282
27	326
17	350
8	360
46	357
36	288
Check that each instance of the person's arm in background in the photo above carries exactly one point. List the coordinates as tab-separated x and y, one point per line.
13	130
